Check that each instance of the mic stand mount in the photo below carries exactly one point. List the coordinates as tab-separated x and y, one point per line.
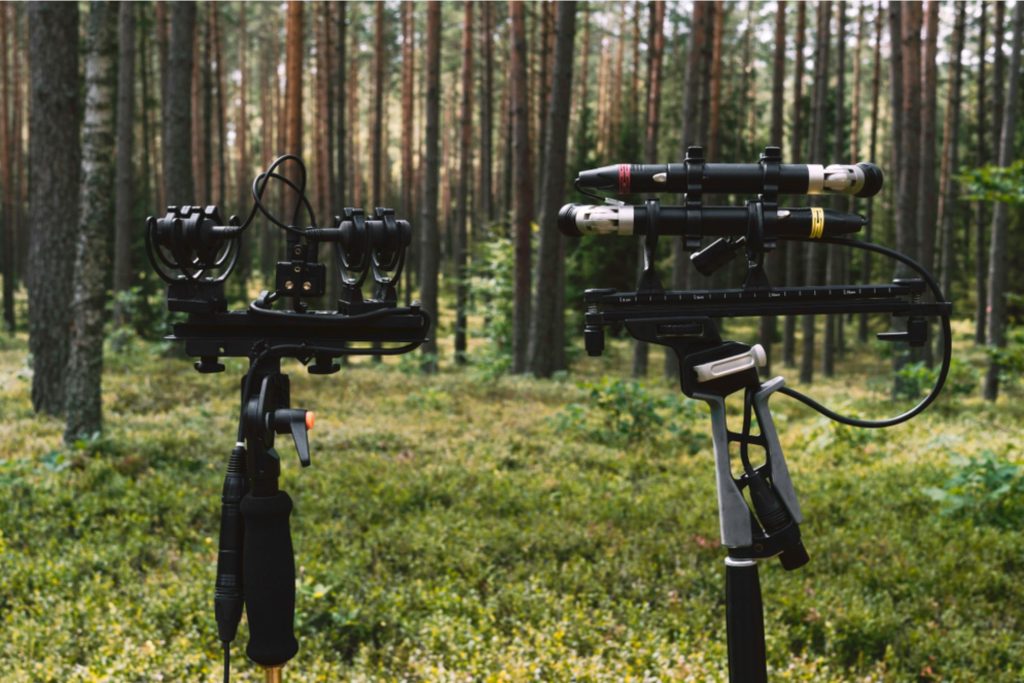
712	369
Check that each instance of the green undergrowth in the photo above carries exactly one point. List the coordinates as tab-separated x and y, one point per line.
463	527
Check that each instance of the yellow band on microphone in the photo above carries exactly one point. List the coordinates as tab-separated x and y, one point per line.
817	222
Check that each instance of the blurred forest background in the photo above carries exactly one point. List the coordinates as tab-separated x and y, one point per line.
496	507
471	119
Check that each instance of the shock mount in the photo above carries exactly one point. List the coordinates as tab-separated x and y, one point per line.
194	250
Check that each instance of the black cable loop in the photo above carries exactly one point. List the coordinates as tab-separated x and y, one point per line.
947	346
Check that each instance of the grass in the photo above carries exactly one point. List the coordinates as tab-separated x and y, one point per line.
460	528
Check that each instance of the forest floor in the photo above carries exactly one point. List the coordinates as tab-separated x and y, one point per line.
465	527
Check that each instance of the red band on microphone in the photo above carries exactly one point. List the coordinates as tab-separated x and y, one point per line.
623	178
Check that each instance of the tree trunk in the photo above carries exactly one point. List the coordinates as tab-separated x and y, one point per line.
462	202
690	137
85	359
8	248
125	186
548	317
655	47
714	120
429	247
981	218
950	129
816	153
408	115
910	163
486	203
840	202
340	128
927	185
378	104
219	187
996	338
547	21
176	118
768	324
243	179
54	165
522	184
793	249
876	79
162	47
293	100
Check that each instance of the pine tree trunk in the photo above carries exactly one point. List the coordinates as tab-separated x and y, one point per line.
243	179
219	187
85	358
996	338
981	217
715	84
910	163
928	186
793	249
832	256
690	137
486	203
811	260
125	185
340	128
378	105
462	202
547	317
950	129
776	261
876	78
162	48
429	242
175	117
294	53
408	115
54	166
8	248
522	184
655	47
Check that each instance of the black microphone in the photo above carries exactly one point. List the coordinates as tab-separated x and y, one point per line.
813	222
860	180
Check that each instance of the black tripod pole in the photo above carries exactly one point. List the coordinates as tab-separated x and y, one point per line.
744	622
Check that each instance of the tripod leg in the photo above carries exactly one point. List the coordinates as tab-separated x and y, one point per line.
744	622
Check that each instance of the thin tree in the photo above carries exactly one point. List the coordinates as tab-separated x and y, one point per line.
124	225
832	256
876	79
817	151
776	263
655	47
85	359
486	204
175	118
522	203
293	98
54	166
927	189
910	121
980	220
462	201
996	338
219	186
690	137
715	84
429	238
340	127
950	128
408	115
378	105
793	251
7	250
547	315
243	168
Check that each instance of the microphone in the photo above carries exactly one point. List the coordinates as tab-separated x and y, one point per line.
575	220
860	180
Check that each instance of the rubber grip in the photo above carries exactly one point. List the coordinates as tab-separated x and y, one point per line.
744	622
268	564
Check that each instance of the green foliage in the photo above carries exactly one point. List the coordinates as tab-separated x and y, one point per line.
994	183
913	380
493	299
1009	358
623	413
988	489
